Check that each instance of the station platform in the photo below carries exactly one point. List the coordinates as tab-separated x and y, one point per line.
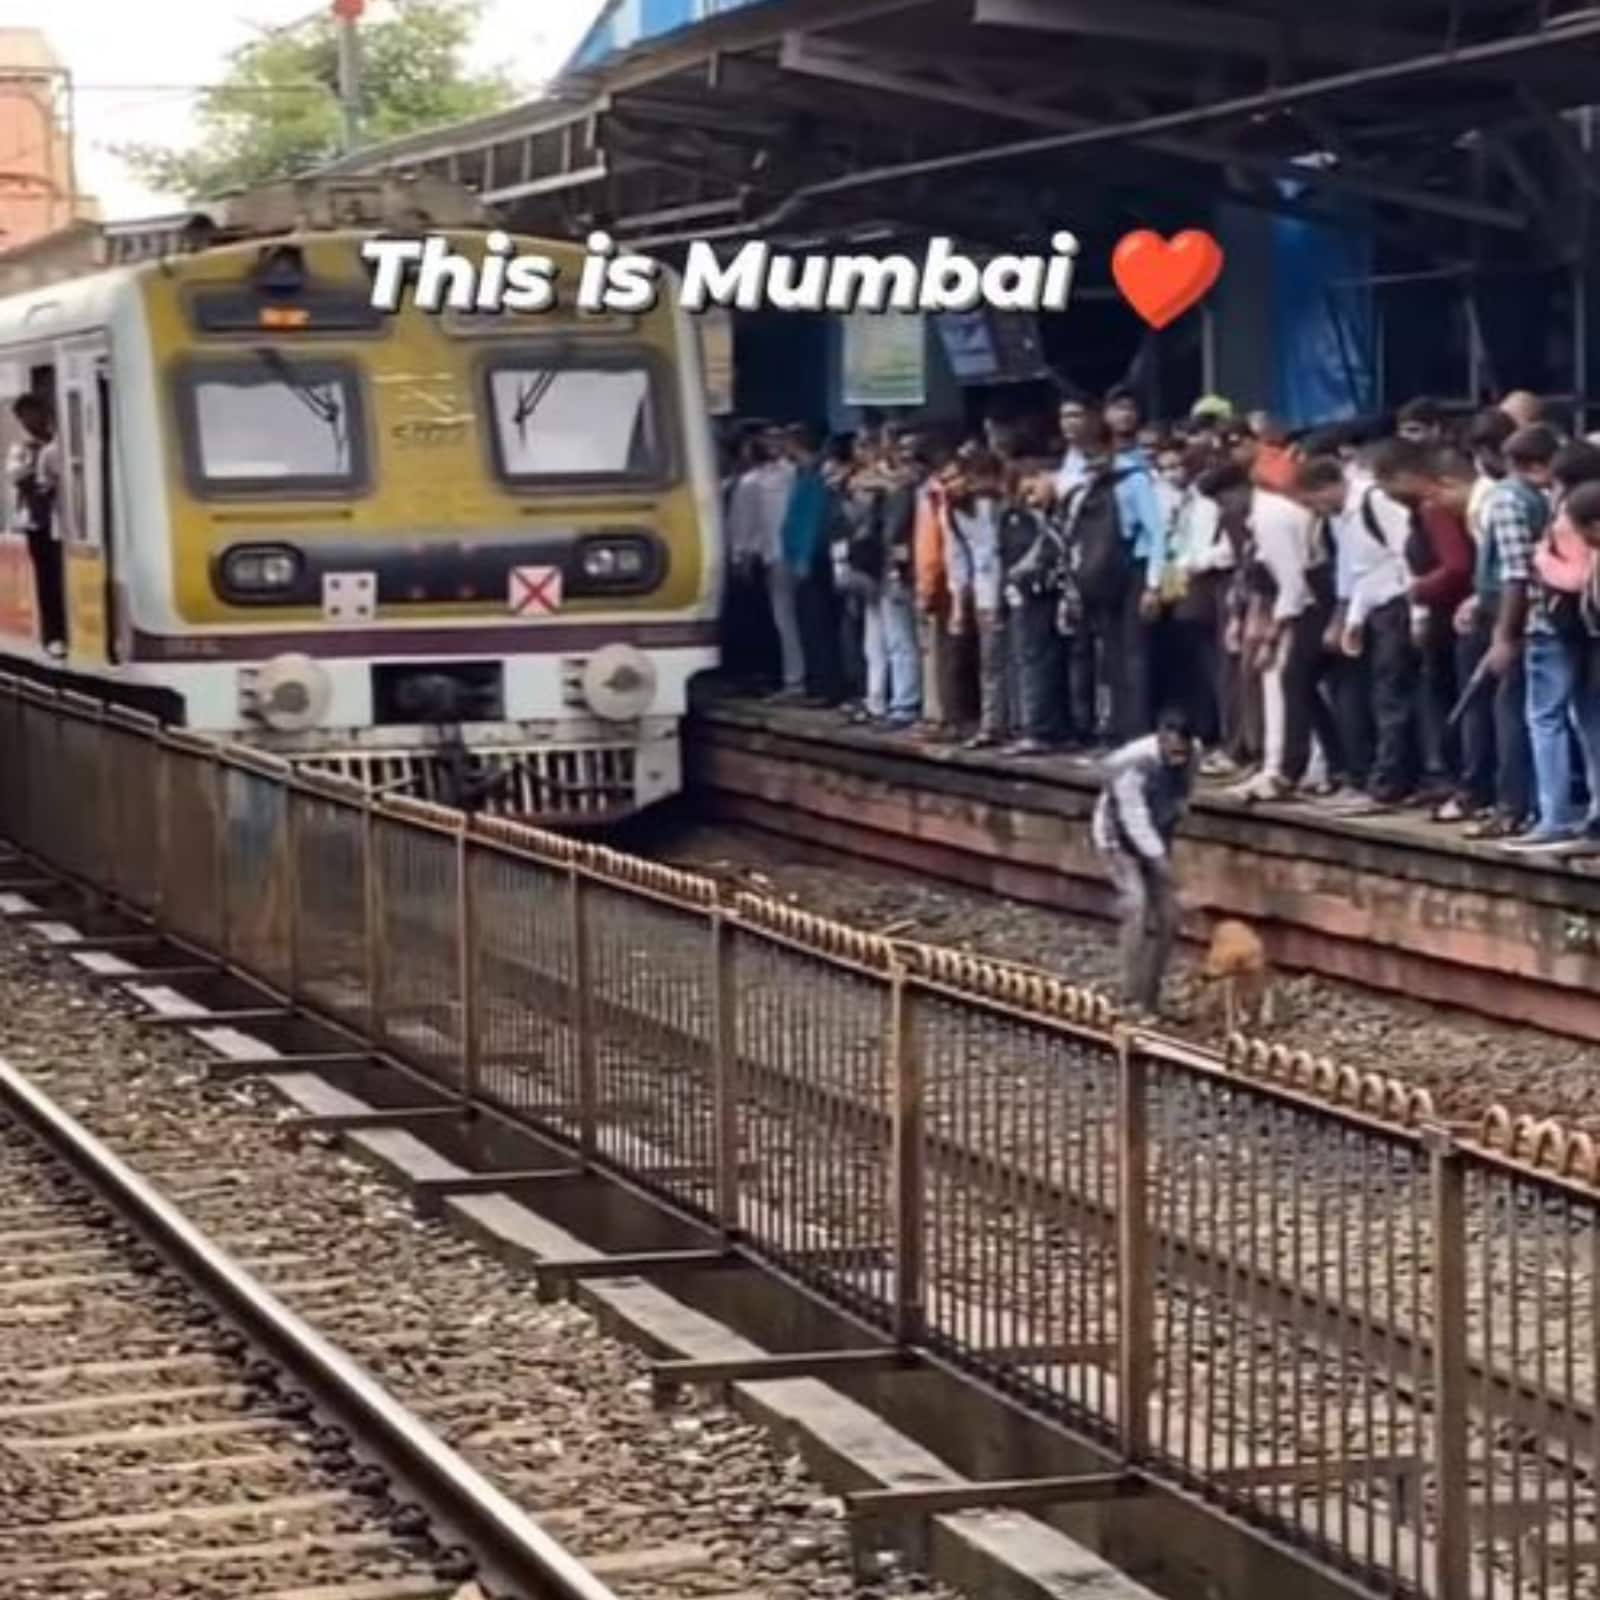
1393	901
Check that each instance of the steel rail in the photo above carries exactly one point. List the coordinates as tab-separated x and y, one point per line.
513	1550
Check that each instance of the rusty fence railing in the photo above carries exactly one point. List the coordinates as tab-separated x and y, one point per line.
1281	1285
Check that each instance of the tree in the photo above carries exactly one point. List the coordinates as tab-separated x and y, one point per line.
276	111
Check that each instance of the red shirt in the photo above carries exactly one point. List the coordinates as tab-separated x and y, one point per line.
1449	581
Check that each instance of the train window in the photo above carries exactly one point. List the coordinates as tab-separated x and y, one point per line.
579	422
271	425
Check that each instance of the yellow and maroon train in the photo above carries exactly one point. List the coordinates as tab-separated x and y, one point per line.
377	544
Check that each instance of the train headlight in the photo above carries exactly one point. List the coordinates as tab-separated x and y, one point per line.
619	563
291	693
260	571
619	683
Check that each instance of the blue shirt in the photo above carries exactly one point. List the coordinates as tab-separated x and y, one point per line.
1140	512
804	522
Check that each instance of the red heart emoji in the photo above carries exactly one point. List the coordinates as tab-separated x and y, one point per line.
1161	280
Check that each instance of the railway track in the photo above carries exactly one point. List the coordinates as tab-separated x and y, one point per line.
148	1447
529	1397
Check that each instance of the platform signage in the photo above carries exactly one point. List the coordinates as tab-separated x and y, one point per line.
885	359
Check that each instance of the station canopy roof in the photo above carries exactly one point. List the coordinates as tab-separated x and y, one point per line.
1457	128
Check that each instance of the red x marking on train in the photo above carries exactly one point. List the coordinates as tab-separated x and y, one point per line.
535	591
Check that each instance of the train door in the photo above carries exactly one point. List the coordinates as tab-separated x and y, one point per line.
17	624
80	412
111	500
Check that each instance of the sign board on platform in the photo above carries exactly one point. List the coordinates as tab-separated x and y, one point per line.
885	359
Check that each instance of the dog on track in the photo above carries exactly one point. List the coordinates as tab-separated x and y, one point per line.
1236	964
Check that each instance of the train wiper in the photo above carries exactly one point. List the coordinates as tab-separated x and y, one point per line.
320	402
530	397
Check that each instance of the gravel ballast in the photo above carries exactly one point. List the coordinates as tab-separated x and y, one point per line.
1466	1062
695	1502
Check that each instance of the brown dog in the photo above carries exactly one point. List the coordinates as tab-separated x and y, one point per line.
1237	962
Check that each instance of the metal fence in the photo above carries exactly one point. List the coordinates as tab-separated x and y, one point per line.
1281	1285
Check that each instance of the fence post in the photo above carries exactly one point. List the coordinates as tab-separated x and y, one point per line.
108	875
293	911
467	959
163	894
908	1150
725	1076
1135	1280
220	853
16	773
583	1013
59	828
1453	1528
372	921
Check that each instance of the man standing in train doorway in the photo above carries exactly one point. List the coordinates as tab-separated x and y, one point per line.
33	471
1144	796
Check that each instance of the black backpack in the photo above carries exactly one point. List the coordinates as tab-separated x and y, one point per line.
1102	564
867	554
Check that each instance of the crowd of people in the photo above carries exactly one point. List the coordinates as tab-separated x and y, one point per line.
1367	616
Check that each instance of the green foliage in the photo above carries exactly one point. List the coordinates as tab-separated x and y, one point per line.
276	111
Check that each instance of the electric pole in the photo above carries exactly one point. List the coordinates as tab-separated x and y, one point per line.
348	13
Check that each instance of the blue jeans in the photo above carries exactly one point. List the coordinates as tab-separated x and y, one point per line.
894	661
1560	704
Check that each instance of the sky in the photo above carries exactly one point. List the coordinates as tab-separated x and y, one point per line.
133	63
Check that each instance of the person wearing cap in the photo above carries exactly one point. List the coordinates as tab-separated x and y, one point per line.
1211	408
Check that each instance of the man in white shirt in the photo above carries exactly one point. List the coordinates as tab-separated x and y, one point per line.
1283	534
1373	525
756	512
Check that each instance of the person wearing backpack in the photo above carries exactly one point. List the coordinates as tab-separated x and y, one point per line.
1561	699
1109	584
1034	555
1374	525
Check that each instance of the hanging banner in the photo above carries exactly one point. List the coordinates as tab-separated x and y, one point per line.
885	359
716	359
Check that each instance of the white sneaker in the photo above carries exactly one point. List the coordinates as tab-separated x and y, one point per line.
56	650
1263	786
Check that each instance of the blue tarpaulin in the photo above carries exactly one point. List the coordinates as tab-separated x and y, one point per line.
1321	325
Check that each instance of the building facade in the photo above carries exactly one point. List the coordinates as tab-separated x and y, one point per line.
38	186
